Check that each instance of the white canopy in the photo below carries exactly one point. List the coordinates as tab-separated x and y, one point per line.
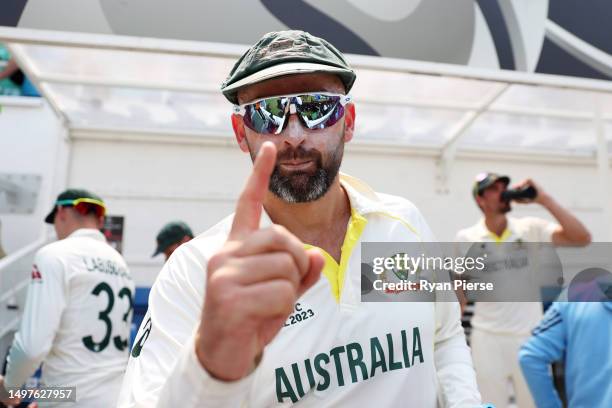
107	82
97	81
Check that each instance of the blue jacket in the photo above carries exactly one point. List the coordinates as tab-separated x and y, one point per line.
580	333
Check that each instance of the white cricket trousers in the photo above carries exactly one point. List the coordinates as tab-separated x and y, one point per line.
496	361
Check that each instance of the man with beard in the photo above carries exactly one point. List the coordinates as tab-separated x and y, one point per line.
500	328
241	316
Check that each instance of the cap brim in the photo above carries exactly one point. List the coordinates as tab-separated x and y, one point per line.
505	179
50	218
158	251
290	68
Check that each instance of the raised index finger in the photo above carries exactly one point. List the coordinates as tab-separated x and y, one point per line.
249	206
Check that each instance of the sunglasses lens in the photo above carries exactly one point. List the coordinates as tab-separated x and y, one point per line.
89	208
316	111
319	111
266	116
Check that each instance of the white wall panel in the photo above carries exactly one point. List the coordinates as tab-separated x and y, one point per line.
152	179
32	141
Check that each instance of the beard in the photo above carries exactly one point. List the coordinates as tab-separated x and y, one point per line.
505	208
305	186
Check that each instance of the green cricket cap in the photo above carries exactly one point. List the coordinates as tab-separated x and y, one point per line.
70	194
486	180
170	234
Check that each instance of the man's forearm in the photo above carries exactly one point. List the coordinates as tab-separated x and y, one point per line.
453	360
537	375
456	374
21	364
194	387
573	231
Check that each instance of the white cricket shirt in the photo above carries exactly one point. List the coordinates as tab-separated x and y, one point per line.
333	351
512	318
76	320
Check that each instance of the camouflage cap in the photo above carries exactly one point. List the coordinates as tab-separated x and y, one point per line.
486	180
282	53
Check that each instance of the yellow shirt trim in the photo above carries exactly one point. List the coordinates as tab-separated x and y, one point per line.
334	272
503	237
406	224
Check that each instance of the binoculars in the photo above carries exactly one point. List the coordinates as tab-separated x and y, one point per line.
528	192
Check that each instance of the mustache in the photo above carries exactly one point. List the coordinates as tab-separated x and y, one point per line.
298	153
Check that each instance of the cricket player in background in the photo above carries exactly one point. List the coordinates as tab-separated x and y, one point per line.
78	310
500	328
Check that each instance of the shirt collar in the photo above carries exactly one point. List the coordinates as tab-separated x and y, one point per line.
89	233
362	197
485	233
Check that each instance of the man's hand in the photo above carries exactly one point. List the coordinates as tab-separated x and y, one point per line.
5	397
253	282
541	198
